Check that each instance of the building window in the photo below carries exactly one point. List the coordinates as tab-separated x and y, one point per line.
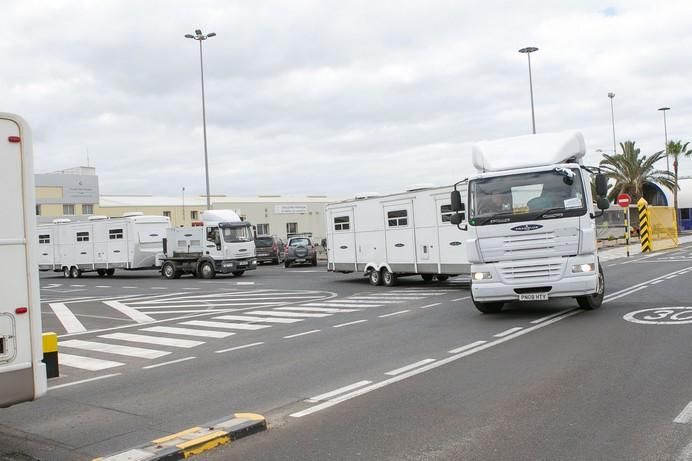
38	210
291	227
446	213
397	218
44	238
167	214
68	210
194	215
262	229
87	209
685	213
342	223
82	236
115	234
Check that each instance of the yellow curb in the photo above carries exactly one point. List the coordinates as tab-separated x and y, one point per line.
180	434
204	443
251	416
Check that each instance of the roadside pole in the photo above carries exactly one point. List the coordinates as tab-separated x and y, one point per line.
624	201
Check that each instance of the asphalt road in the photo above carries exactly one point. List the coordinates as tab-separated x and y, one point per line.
361	372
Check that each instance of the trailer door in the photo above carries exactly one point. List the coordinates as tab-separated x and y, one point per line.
452	240
46	249
342	244
400	236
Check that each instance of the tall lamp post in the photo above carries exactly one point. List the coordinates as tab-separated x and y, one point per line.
528	50
200	37
665	133
183	205
612	118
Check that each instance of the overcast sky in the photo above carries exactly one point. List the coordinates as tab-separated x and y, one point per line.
333	97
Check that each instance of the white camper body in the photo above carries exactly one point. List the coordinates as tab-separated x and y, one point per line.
101	244
220	243
531	233
396	235
22	375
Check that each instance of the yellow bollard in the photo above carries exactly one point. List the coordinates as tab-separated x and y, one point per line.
644	230
50	354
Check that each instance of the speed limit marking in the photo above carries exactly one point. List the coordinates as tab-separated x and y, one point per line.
661	316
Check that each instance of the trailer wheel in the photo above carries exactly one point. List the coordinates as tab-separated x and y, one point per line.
441	277
374	278
595	300
110	272
238	273
427	278
101	272
75	273
169	272
388	278
66	272
206	271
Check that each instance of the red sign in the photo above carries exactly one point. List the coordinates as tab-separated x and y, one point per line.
624	200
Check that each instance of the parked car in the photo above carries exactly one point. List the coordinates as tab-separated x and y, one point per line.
269	248
300	250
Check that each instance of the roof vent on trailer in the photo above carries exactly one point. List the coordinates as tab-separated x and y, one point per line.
97	218
61	221
415	187
131	214
365	195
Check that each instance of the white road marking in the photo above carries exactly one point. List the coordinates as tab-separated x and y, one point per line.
625	294
393	313
685	415
341	390
466	347
429	305
301	334
67	318
77	286
113	349
548	317
345	305
371	299
349	323
327	310
86	363
206	304
168	363
98	378
247	318
219	299
102	286
423	369
189	332
656	282
245	283
134	314
245	346
230	326
159	288
158	340
461	299
400	298
287	314
508	332
686	454
130	287
398	371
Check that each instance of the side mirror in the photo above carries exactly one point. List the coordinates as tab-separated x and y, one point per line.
601	186
457	218
457	205
602	203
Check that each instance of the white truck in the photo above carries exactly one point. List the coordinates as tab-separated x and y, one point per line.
402	234
530	228
22	374
220	244
101	244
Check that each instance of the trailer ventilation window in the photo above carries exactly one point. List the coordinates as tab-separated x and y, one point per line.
342	223
115	234
44	238
446	213
82	236
397	218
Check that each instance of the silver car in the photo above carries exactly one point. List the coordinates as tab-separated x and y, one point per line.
300	250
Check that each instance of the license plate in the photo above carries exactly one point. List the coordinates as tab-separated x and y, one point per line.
300	260
242	264
533	297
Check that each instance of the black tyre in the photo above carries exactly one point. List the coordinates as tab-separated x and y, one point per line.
427	278
595	300
488	308
238	273
314	261
441	277
206	271
374	278
388	278
110	272
287	263
101	272
75	273
66	272
275	261
169	272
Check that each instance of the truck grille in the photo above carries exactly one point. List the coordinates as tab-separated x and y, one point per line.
531	272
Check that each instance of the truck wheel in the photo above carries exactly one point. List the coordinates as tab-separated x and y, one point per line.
110	272
388	278
489	308
441	277
75	273
275	261
314	261
206	271
101	272
238	273
374	278
287	263
168	271
66	272
595	300
427	278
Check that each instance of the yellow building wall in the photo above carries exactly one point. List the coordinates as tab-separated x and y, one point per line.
48	192
51	209
176	212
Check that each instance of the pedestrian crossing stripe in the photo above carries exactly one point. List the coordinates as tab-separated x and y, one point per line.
158	340
86	363
247	318
113	349
188	332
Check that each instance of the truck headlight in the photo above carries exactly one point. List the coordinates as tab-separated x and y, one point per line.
591	267
482	276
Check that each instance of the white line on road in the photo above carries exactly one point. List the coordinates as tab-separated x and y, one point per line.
114	349
86	363
548	317
429	305
98	378
168	363
508	332
189	332
67	318
245	283
288	314
685	415
373	300
349	323
230	326
341	390
102	286
158	340
393	313
656	282
398	371
611	298
134	314
247	318
466	347
245	346
461	299
301	334
326	310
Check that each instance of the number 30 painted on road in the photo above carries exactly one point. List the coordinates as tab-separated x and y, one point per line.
661	316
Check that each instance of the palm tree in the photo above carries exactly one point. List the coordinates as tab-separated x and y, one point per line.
630	170
677	149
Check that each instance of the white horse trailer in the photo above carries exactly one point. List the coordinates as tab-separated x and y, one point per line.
22	374
101	244
396	235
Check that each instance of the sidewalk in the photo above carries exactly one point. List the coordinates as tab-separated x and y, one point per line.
620	252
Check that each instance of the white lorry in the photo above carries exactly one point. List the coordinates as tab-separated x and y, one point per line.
22	374
531	234
220	243
396	235
101	244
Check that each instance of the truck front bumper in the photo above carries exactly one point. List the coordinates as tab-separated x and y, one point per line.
235	265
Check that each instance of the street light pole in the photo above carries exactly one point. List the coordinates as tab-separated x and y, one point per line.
612	118
183	205
200	37
528	50
665	132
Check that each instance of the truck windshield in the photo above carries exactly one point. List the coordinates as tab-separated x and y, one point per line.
548	194
236	234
